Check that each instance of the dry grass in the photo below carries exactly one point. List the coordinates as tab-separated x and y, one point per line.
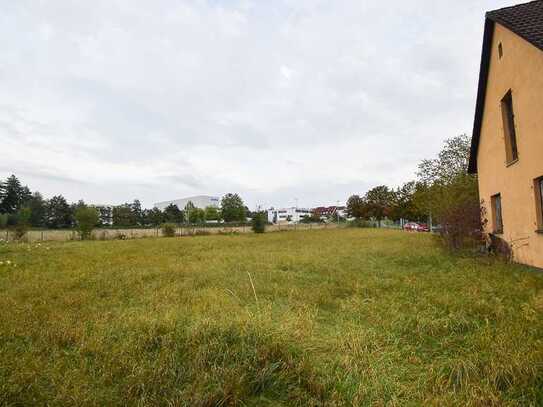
63	235
336	317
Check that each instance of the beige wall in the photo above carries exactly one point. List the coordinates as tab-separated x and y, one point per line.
521	70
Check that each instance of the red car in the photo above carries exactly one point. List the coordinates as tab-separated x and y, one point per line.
423	227
416	227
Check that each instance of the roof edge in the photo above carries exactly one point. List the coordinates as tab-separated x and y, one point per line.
511	28
481	93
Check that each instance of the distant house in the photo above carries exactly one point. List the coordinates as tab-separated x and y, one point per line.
199	201
287	215
327	212
507	144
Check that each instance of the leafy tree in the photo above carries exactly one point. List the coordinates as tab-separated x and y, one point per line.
12	195
378	202
38	210
404	204
105	215
444	182
258	222
211	213
189	207
87	218
197	215
248	213
173	214
75	206
356	207
2	195
232	208
123	215
12	219
155	216
449	194
451	162
59	213
26	196
137	212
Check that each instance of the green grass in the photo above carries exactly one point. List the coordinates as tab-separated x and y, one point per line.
336	317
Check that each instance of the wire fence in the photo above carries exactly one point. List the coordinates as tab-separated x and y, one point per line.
49	235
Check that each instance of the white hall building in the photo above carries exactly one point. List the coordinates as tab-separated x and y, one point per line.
287	215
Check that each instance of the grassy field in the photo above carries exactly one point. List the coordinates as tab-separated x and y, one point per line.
331	317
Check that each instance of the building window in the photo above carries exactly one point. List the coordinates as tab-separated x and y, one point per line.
538	187
511	152
500	50
497	219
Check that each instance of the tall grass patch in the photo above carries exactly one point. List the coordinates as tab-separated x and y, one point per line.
327	317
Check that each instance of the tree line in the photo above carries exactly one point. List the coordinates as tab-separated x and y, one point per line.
19	206
443	192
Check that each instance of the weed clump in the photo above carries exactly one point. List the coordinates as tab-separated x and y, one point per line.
168	229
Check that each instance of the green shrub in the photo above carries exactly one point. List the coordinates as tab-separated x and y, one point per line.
168	230
22	223
87	218
258	223
313	218
360	223
3	220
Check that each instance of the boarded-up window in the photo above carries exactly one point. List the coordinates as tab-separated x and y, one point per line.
508	115
497	219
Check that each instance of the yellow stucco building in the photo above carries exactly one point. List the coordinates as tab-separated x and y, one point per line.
507	144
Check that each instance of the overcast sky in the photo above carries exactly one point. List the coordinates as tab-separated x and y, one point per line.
114	100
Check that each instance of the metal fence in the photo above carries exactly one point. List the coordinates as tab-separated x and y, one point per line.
112	234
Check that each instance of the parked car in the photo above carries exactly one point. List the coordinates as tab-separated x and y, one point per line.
423	227
416	227
411	226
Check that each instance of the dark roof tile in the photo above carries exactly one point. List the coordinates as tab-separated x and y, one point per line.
525	20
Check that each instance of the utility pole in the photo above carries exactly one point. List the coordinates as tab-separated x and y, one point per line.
337	211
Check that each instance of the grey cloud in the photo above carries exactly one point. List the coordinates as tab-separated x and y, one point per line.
312	98
188	180
41	174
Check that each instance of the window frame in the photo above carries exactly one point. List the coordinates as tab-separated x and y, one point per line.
509	128
497	208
